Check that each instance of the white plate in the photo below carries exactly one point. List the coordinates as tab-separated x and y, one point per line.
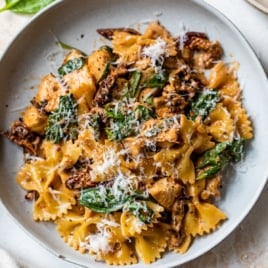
260	4
33	54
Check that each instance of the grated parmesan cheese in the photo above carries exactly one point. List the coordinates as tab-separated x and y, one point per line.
110	159
156	53
123	185
29	157
99	242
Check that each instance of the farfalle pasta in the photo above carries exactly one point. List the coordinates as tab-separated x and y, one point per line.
125	147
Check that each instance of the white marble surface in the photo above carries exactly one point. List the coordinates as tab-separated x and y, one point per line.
247	246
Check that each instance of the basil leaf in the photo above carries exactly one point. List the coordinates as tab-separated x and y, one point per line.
26	6
72	65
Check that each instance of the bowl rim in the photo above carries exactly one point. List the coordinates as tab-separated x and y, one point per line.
261	70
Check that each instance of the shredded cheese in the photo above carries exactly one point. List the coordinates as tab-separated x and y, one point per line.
110	159
99	242
156	52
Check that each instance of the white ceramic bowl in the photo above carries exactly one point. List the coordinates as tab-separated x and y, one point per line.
33	53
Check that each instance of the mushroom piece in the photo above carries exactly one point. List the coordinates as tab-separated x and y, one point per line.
80	179
109	32
24	137
198	47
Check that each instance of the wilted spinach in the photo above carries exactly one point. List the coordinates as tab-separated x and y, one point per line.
25	6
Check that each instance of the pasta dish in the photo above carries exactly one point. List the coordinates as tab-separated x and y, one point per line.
125	148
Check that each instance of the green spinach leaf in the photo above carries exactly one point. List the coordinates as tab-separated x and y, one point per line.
68	47
102	199
9	4
157	81
134	83
25	6
63	123
123	122
72	65
105	72
109	199
143	113
141	210
214	160
203	104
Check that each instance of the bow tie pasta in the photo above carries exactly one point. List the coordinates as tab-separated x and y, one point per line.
125	147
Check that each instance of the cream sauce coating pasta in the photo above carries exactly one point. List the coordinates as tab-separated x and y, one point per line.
126	146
